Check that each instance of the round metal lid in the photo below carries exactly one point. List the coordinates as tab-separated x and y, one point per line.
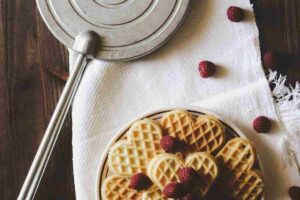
128	28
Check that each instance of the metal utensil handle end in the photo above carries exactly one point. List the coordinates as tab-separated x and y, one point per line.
86	44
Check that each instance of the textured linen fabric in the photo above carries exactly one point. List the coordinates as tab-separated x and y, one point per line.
113	93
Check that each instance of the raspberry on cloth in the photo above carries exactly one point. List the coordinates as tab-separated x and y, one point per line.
111	94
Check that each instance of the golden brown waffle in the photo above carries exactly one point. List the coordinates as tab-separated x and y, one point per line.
154	193
179	124
152	163
116	188
237	156
145	135
206	167
237	179
163	169
207	133
130	156
141	152
248	186
157	159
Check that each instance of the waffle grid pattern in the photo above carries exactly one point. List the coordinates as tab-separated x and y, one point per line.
141	152
166	171
248	187
206	167
209	134
179	125
128	160
131	156
152	163
147	144
117	188
237	158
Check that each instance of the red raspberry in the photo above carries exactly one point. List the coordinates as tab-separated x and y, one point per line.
174	190
140	181
262	124
206	69
270	60
235	14
169	144
187	175
294	193
190	196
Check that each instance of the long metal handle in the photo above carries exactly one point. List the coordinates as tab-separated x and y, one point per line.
85	44
45	149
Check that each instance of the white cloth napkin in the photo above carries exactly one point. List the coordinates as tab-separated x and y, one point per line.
111	94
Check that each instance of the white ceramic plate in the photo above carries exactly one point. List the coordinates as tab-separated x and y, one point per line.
231	132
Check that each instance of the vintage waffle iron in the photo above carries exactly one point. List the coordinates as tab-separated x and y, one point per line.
114	30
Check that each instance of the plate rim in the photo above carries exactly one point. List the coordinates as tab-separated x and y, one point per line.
166	109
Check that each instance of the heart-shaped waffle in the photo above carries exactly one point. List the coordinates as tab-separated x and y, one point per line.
117	187
206	167
131	156
237	179
164	168
206	133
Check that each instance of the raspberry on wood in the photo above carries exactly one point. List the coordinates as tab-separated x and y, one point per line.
270	60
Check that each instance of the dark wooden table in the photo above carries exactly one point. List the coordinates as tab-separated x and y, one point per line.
29	89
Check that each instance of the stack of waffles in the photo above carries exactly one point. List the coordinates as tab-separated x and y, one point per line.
225	166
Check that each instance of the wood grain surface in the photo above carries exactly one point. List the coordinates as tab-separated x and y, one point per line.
33	65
